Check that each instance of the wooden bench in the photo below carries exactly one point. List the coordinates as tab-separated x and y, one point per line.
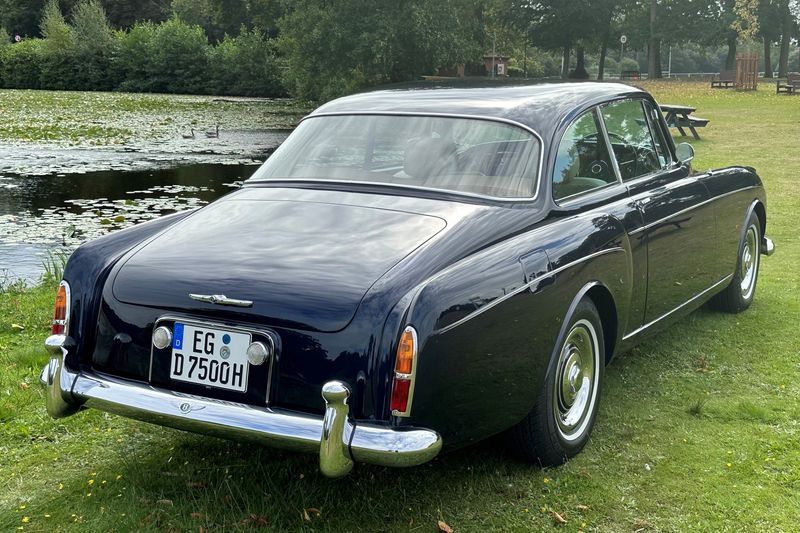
789	86
724	80
630	75
690	122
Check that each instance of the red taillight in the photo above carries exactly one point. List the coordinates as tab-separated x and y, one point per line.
404	371
62	310
400	395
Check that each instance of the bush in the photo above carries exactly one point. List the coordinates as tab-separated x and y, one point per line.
172	56
20	64
180	57
245	65
628	63
134	61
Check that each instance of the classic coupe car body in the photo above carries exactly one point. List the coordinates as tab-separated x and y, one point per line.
412	268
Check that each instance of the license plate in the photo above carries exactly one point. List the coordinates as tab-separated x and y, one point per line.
209	356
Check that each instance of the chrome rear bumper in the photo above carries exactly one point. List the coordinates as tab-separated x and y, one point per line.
336	437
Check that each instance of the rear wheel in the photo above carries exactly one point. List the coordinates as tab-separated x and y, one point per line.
560	423
739	294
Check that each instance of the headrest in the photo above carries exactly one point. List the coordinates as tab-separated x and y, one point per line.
429	157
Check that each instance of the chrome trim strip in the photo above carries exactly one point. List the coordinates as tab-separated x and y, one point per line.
343	438
682	211
65	322
221	299
537	177
681	306
609	147
273	339
526	286
410	377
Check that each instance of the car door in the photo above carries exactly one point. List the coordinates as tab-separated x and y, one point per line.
678	225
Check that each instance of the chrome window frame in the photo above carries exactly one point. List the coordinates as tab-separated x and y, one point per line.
516	199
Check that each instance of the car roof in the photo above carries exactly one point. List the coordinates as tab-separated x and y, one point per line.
540	107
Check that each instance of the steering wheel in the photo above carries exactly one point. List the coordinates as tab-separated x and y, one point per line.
599	169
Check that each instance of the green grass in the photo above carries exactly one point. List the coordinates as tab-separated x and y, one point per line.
699	427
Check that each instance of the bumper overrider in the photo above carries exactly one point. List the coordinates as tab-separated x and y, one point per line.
338	439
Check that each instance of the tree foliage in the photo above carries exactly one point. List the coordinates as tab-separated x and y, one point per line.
338	46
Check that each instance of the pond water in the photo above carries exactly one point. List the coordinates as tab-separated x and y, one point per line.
44	215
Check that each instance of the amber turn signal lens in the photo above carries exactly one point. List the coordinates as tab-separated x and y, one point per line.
60	315
405	352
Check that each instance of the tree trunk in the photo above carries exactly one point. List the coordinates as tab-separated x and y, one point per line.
786	35
652	45
658	60
730	59
565	62
603	49
580	65
767	59
602	65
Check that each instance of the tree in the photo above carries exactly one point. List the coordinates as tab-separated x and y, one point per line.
335	47
21	17
125	13
54	28
768	30
94	43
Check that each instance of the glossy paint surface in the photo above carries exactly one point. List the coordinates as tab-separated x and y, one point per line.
336	271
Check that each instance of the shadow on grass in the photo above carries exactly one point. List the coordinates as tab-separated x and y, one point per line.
178	481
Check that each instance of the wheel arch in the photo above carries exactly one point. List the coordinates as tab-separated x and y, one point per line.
761	213
603	300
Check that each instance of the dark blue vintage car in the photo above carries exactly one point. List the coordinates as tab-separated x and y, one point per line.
412	269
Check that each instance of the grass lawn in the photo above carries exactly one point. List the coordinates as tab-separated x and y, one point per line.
699	427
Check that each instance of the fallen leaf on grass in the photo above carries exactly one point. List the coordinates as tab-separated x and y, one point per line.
641	525
559	519
308	512
582	507
255	520
443	526
17	327
196	485
165	502
24	386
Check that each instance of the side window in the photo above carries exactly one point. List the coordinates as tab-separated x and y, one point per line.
630	138
583	162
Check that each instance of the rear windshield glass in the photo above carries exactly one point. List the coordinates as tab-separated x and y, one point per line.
455	154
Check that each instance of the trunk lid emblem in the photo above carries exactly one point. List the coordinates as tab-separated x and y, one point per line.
221	299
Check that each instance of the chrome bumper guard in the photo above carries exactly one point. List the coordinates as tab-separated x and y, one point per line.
767	246
336	437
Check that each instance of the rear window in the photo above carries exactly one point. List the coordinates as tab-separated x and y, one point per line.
455	154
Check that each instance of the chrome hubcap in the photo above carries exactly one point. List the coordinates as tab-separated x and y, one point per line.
576	386
749	262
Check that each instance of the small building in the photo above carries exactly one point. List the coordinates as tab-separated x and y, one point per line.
499	62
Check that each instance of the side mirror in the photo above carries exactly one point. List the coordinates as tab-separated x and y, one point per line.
685	152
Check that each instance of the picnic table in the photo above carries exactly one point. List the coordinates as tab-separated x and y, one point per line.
680	116
789	86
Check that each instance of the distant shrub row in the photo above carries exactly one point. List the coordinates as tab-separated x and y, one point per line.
172	57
